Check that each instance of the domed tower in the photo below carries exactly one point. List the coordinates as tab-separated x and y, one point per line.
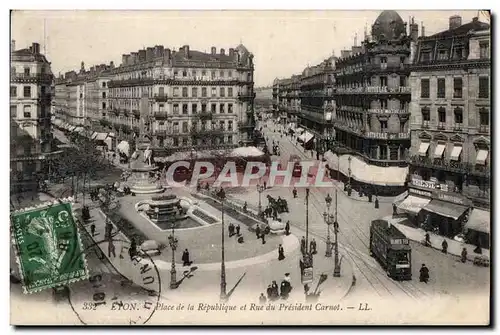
388	26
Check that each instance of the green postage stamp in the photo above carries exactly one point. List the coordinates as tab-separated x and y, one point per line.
48	246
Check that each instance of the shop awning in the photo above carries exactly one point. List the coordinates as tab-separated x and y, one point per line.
447	209
397	200
101	136
482	155
455	153
299	130
246	152
94	135
124	148
331	159
306	137
413	204
438	153
422	150
479	220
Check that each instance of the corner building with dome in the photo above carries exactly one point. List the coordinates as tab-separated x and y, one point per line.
372	98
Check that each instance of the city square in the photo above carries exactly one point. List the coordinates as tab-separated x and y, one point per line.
383	192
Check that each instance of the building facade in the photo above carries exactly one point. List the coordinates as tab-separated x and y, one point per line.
187	99
31	82
317	105
450	119
373	95
289	101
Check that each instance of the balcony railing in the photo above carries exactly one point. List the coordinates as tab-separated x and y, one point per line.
484	129
458	127
205	115
450	165
248	124
31	77
161	97
441	125
246	95
374	90
160	114
388	111
425	124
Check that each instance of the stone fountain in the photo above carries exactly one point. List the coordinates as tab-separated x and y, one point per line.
143	178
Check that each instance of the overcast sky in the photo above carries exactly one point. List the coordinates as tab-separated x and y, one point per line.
283	42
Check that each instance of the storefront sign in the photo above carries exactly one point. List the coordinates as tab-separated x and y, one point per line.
419	192
423	183
451	198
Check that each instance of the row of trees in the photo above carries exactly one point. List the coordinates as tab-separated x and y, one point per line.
80	163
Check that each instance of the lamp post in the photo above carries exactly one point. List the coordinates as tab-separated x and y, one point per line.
328	220
349	172
173	242
260	189
336	271
223	295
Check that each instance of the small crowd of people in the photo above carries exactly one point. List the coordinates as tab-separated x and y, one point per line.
275	293
235	230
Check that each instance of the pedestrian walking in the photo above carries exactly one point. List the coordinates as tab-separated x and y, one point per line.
281	253
427	240
394	210
263	236
265	185
111	249
269	292
312	153
294	192
424	274
317	155
185	258
444	246
313	247
92	229
275	290
463	257
303	245
132	251
262	299
238	230
257	231
230	229
287	228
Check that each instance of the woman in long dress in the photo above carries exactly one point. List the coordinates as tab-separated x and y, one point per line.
281	253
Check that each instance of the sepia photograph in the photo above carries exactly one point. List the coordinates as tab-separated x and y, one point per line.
250	167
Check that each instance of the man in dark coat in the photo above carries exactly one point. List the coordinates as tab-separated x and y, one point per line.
312	247
238	230
444	246
294	192
269	292
257	231
231	229
287	228
185	258
424	274
281	253
132	251
275	290
303	245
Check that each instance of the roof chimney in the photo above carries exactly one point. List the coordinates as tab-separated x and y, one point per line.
13	45
124	59
186	51
214	50
231	52
422	30
149	54
142	55
159	51
35	48
222	51
455	21
167	55
133	58
112	64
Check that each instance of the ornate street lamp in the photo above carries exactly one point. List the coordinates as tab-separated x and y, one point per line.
223	295
336	271
328	220
260	189
173	242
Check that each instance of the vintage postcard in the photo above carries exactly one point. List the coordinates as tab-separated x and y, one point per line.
250	167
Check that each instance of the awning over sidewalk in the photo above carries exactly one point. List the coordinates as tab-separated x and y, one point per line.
479	220
447	209
306	137
482	155
397	200
413	204
101	136
366	173
455	153
438	153
299	130
422	150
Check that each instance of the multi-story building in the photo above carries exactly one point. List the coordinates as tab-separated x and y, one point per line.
372	101
276	99
450	123
31	83
289	101
317	104
187	99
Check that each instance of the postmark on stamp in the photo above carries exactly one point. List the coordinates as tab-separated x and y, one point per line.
46	241
121	290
